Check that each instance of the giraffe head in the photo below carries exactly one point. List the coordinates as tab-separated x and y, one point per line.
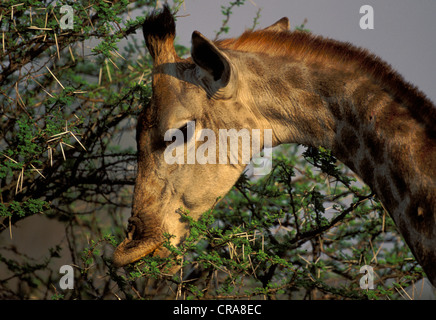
199	96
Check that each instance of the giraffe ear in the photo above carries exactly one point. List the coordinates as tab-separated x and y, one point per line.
280	26
215	68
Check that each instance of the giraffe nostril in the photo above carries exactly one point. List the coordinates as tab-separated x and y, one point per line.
131	228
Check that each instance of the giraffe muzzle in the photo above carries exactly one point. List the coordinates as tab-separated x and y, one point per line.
140	242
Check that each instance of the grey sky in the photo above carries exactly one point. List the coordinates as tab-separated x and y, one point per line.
404	32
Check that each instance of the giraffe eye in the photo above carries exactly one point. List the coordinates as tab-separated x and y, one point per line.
170	135
184	130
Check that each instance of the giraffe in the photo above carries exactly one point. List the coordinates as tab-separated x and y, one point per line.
307	89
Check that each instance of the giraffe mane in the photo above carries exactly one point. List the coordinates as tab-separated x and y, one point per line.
310	48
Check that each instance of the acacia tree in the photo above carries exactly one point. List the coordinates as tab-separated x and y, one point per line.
68	99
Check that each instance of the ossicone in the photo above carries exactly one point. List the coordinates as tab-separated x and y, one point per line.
159	32
159	24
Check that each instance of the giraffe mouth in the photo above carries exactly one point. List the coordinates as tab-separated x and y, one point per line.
130	251
140	242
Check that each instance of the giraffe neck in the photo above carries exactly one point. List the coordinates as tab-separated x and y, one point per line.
368	128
